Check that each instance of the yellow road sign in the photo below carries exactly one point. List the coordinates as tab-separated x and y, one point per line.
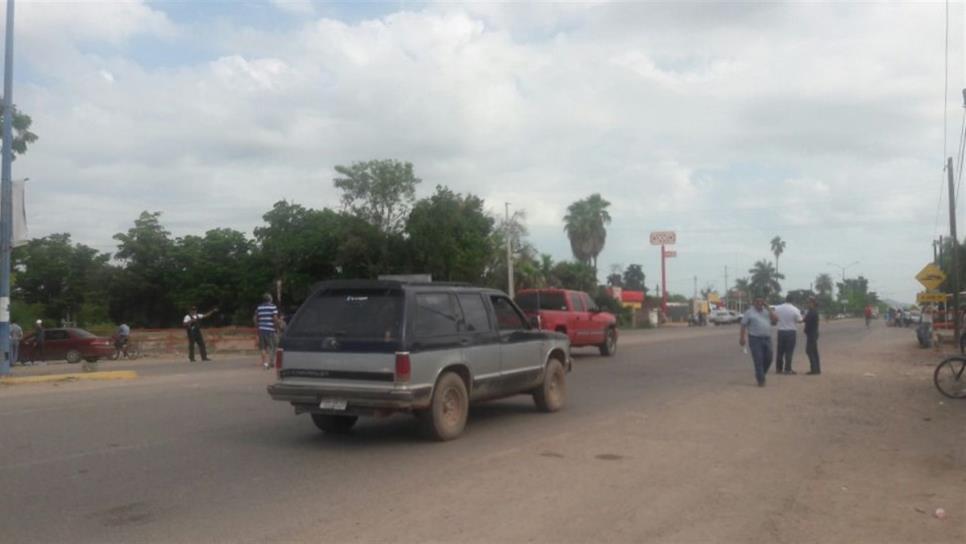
931	276
923	298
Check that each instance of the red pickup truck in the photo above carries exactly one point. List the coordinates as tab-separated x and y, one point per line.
573	313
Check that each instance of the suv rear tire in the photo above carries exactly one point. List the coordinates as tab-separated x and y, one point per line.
552	393
446	417
334	424
609	347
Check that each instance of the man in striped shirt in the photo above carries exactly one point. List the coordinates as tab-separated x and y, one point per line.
266	320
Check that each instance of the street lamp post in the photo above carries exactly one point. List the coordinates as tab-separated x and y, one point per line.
6	196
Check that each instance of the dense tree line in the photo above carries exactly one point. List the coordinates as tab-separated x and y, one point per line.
381	228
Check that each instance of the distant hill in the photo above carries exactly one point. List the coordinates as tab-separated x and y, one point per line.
895	303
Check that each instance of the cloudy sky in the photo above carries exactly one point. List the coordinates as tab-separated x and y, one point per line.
727	122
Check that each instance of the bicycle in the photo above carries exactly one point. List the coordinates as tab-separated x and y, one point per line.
950	377
128	350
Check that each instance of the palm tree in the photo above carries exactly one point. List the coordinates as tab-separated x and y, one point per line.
764	279
585	224
777	247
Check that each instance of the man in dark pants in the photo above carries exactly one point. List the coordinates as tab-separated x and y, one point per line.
192	325
756	332
788	319
811	338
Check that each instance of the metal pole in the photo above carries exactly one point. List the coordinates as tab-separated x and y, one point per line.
509	253
663	282
954	242
6	195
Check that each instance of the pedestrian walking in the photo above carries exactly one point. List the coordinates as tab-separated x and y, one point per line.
811	337
868	315
38	352
192	325
268	324
755	332
788	319
16	335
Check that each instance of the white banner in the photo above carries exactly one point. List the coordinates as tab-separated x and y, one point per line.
19	236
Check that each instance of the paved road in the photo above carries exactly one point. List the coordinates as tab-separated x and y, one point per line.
192	453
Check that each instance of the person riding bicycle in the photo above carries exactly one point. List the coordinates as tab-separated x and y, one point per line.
121	338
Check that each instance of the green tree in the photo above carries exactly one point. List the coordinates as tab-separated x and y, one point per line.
586	226
218	270
825	288
799	297
777	247
764	280
22	136
141	293
853	295
61	280
634	279
380	191
575	275
450	236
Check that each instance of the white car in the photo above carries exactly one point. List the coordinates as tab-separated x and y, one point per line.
724	317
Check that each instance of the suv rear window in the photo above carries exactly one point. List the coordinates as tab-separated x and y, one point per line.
351	316
547	301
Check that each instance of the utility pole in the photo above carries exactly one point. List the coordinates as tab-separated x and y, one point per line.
940	249
695	287
6	196
509	254
726	285
954	242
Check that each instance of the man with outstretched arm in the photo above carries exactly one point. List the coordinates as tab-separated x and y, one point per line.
192	326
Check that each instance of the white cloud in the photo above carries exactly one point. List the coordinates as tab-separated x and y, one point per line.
297	7
731	122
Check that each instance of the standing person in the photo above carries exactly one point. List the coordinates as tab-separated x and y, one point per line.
811	337
868	315
16	335
192	325
267	321
756	332
38	352
788	318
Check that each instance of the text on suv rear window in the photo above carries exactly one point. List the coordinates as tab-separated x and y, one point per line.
351	314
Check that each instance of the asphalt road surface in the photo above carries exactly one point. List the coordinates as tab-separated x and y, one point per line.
667	441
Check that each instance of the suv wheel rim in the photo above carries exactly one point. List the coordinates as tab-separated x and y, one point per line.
555	386
452	407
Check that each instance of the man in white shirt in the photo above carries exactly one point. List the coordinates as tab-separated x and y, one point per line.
788	319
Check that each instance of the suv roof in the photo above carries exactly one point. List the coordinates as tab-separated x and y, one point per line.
369	284
549	290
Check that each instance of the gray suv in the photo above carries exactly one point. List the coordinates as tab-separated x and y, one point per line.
373	348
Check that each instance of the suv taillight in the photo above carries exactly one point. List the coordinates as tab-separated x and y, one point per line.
278	361
404	368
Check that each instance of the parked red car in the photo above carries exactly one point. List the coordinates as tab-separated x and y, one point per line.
68	343
573	313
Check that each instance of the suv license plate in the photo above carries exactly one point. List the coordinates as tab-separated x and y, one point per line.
329	404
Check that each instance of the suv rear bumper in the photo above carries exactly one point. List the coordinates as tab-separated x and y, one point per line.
306	398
